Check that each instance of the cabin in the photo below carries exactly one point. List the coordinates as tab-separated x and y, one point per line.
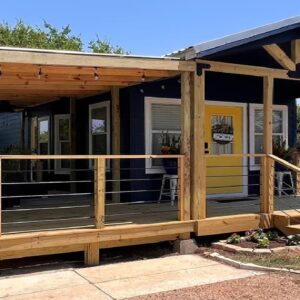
102	151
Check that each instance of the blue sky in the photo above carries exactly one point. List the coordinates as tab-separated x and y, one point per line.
152	27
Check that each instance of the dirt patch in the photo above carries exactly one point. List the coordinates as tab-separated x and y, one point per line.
272	286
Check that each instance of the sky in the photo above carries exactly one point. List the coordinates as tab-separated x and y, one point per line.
153	27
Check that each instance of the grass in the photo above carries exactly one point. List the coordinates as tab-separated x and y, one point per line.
273	260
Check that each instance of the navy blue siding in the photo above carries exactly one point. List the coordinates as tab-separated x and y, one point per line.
10	130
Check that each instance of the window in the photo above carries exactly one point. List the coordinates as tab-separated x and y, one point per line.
280	129
161	114
99	128
62	142
40	135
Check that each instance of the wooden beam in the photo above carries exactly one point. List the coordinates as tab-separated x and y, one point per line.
230	68
99	192
185	163
227	224
116	142
198	164
40	57
280	57
267	195
295	51
0	197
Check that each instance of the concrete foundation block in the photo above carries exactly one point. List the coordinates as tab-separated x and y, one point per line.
185	246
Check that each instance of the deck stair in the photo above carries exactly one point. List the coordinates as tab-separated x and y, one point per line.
287	221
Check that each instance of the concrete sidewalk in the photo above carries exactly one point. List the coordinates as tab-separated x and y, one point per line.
120	280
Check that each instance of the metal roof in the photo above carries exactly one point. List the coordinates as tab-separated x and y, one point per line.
238	39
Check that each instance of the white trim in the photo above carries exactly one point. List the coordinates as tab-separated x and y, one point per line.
41	119
252	108
105	104
57	150
245	147
148	129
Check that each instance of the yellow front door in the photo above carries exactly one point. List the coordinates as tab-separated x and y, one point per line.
224	135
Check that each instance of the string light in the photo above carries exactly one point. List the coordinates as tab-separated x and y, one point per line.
143	78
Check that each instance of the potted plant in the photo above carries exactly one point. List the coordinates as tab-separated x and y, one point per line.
170	145
281	150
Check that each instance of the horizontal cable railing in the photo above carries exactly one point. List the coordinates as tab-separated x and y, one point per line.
286	178
96	191
232	187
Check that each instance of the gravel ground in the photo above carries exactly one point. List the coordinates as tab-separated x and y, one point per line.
270	286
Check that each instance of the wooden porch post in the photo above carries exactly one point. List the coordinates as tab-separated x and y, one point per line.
73	137
184	171
198	165
267	194
115	99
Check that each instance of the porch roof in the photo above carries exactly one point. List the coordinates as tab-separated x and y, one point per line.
30	77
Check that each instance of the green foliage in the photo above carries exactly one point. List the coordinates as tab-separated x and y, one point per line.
49	37
234	239
293	240
263	242
255	235
281	150
100	46
273	235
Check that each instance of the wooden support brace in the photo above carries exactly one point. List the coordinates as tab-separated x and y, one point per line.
280	57
99	192
91	254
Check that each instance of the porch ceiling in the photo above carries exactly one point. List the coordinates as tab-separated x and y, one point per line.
29	77
29	84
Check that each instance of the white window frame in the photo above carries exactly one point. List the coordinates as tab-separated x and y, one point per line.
252	108
57	150
41	119
149	101
105	104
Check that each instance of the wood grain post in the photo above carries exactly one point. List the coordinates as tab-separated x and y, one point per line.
0	197
297	163
73	136
267	196
99	192
198	164
185	162
115	98
92	255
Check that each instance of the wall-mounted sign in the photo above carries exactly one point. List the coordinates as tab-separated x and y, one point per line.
222	133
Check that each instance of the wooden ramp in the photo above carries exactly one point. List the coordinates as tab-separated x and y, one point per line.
287	221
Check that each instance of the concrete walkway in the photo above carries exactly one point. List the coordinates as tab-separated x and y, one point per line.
120	280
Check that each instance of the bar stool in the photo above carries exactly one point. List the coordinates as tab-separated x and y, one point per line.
171	192
280	177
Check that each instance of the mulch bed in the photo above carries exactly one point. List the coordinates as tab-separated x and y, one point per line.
269	286
272	245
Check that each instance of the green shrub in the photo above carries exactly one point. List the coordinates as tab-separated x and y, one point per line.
293	240
273	235
234	239
263	243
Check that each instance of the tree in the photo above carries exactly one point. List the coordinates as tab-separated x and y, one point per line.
100	46
49	37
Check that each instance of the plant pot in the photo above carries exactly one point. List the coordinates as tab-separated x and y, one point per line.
171	165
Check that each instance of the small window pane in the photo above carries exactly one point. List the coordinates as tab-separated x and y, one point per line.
44	131
277	121
259	121
64	129
99	144
99	120
258	144
166	117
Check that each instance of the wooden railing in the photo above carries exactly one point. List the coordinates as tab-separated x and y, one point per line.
101	170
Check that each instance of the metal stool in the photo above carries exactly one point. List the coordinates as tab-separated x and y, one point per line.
280	177
172	191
